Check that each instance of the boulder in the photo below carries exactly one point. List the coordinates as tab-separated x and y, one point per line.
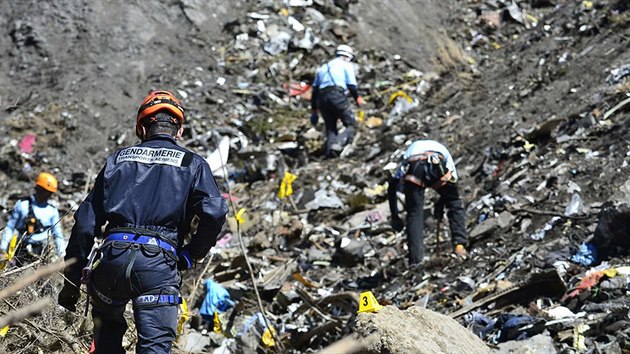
416	330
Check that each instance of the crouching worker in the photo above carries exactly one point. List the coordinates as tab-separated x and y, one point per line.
427	164
146	196
33	219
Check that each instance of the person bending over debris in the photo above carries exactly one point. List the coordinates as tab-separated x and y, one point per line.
427	164
332	80
33	218
147	195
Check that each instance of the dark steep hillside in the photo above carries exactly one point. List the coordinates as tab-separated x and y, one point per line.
531	97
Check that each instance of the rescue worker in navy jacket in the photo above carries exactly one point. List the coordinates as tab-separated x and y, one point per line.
332	80
146	197
427	164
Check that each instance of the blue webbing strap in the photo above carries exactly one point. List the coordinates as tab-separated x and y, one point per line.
142	240
157	299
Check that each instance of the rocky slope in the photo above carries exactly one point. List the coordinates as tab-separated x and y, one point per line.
523	93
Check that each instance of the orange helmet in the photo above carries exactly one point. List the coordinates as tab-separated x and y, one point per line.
159	101
47	181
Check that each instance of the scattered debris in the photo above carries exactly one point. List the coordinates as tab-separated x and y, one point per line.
542	140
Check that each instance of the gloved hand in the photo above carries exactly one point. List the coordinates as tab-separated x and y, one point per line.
314	118
360	101
185	260
397	223
68	297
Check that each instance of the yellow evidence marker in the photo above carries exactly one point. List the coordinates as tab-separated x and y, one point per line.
286	187
184	316
368	303
239	215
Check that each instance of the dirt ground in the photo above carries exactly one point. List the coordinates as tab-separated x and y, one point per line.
526	105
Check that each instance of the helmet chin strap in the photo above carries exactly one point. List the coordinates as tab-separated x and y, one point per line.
144	133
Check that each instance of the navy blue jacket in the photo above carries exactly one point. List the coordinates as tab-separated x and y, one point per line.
155	185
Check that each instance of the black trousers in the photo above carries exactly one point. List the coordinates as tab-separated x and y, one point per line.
414	203
334	105
137	274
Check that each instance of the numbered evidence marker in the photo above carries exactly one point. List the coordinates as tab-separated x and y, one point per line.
368	303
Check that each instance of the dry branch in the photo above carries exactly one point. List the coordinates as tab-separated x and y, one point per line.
199	279
17	270
548	213
31	278
28	311
62	335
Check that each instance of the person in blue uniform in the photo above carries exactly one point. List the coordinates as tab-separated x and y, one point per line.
332	81
146	196
34	219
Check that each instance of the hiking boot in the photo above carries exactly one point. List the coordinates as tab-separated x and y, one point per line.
460	251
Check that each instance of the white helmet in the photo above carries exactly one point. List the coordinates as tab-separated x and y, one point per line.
344	50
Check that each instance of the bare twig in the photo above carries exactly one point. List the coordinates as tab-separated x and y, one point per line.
549	213
70	341
62	335
251	273
17	270
28	311
616	108
308	301
90	174
249	265
31	278
599	351
201	276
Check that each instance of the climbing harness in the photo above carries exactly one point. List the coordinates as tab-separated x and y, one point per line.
428	170
141	240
